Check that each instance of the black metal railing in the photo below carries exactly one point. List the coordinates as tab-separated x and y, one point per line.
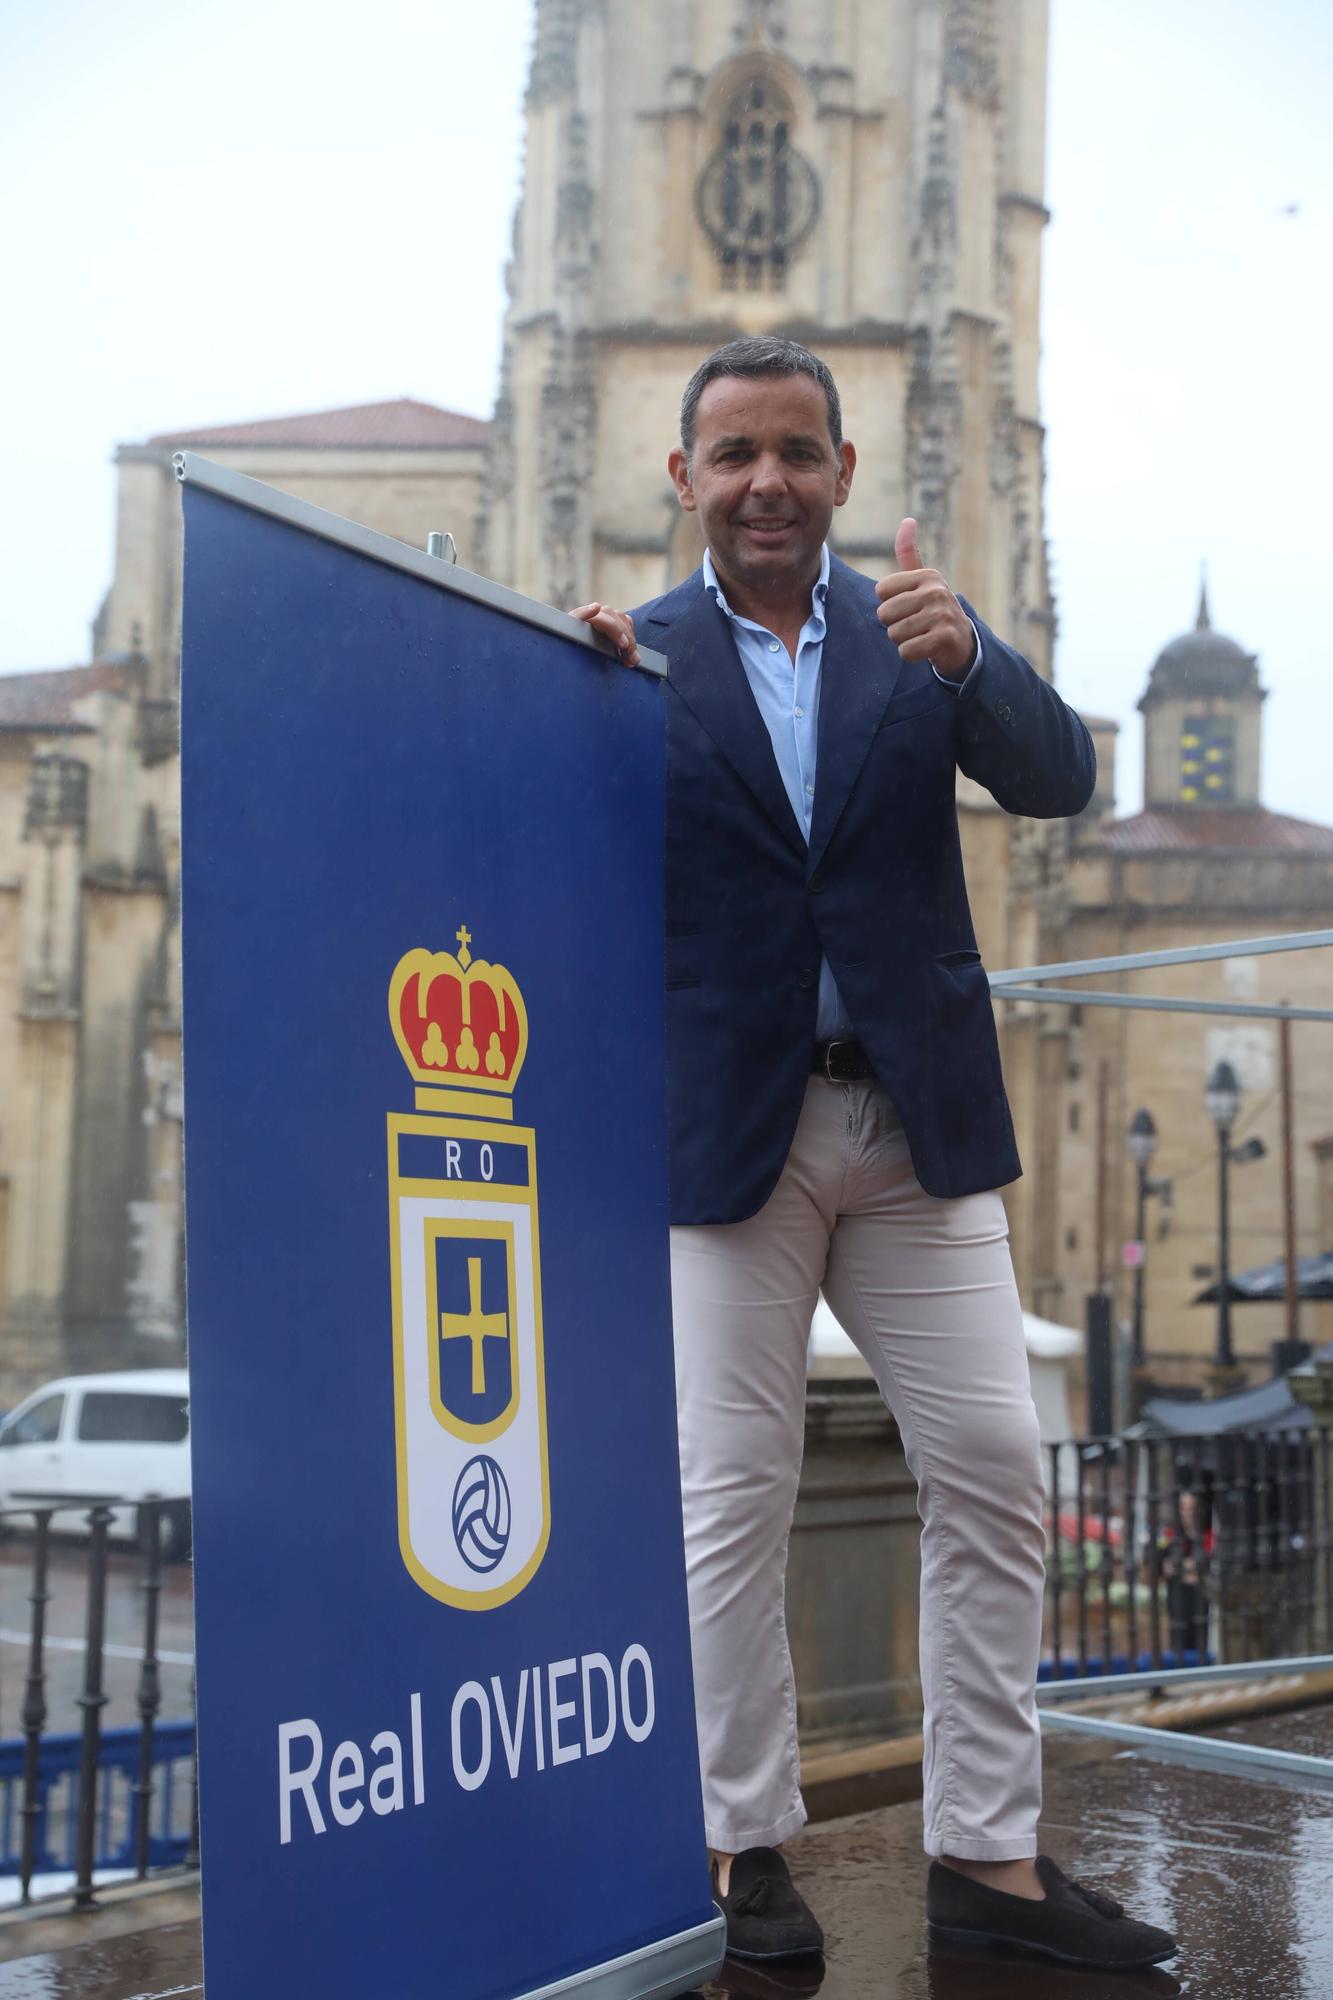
1179	1551
89	1800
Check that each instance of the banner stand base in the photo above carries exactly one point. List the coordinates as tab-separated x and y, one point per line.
655	1973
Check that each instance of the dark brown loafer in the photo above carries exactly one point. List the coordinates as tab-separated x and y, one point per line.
767	1917
1073	1924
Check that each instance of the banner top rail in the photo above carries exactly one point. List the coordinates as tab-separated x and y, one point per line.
191	469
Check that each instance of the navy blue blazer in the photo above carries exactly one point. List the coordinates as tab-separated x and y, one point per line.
879	891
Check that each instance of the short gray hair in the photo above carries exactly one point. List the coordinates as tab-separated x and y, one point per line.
758	354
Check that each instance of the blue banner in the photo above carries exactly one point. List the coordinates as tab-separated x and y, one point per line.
446	1723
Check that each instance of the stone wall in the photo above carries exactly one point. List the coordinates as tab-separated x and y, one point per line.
404	493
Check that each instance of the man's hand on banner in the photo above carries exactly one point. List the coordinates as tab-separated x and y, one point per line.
921	614
617	626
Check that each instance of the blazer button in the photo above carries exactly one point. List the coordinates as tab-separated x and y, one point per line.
816	883
806	977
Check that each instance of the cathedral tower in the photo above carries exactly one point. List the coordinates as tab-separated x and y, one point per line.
865	178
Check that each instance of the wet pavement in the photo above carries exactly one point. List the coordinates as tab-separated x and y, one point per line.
1240	1871
66	1614
148	1966
1304	1732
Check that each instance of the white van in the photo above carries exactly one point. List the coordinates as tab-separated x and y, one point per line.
122	1437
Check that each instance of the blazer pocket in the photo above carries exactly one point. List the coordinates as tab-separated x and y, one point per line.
915	701
958	958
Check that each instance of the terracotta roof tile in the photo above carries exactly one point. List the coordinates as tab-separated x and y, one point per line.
1191	830
404	425
46	700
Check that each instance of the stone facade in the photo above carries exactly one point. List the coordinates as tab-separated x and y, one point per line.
90	1185
91	1250
1203	863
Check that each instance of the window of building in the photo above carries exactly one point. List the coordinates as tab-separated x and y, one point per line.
758	196
1207	760
1071	1239
1074	1115
119	1417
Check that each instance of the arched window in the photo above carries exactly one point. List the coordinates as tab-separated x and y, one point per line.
758	196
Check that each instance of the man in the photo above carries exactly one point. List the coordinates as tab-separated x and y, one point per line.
838	1122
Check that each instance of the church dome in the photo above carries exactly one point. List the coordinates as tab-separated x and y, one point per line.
1201	663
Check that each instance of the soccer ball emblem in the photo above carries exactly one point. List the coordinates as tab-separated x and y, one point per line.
481	1514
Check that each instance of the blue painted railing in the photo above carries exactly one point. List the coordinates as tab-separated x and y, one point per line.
1123	1663
117	1805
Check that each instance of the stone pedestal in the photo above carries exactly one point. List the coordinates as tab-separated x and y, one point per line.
853	1574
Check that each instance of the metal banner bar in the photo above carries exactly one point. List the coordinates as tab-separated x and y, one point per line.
1194	954
691	1955
1249	1760
1238	1670
432	566
1254	1010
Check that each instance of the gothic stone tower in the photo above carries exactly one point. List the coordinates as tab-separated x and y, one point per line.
868	178
865	177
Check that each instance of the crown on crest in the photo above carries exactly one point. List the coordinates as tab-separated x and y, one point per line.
458	1020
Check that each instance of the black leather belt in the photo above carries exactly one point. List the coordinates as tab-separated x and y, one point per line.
842	1061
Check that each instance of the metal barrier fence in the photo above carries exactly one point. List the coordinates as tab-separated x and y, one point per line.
108	1799
1176	1552
1020	982
126	1837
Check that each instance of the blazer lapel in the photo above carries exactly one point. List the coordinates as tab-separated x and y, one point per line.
860	667
707	674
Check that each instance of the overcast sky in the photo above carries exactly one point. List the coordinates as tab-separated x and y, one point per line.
214	212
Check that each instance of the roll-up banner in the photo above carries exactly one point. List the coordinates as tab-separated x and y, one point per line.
446	1727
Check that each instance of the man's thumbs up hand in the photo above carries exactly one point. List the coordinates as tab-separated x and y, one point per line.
921	614
905	550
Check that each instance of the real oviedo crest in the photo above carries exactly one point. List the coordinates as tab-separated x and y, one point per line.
469	1389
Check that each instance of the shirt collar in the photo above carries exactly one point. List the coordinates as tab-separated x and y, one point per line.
817	595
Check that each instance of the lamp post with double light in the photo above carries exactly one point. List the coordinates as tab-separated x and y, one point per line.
1141	1140
1222	1097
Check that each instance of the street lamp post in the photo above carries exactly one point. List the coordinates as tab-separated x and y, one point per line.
1222	1097
1142	1142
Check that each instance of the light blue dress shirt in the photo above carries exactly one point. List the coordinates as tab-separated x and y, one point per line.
787	695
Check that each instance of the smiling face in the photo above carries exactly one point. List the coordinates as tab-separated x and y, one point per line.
764	479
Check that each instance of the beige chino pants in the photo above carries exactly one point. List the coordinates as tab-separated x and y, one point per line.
926	1290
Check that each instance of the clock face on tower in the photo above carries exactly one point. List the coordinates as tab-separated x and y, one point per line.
758	197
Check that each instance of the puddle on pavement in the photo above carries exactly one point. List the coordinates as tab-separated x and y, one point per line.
148	1965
